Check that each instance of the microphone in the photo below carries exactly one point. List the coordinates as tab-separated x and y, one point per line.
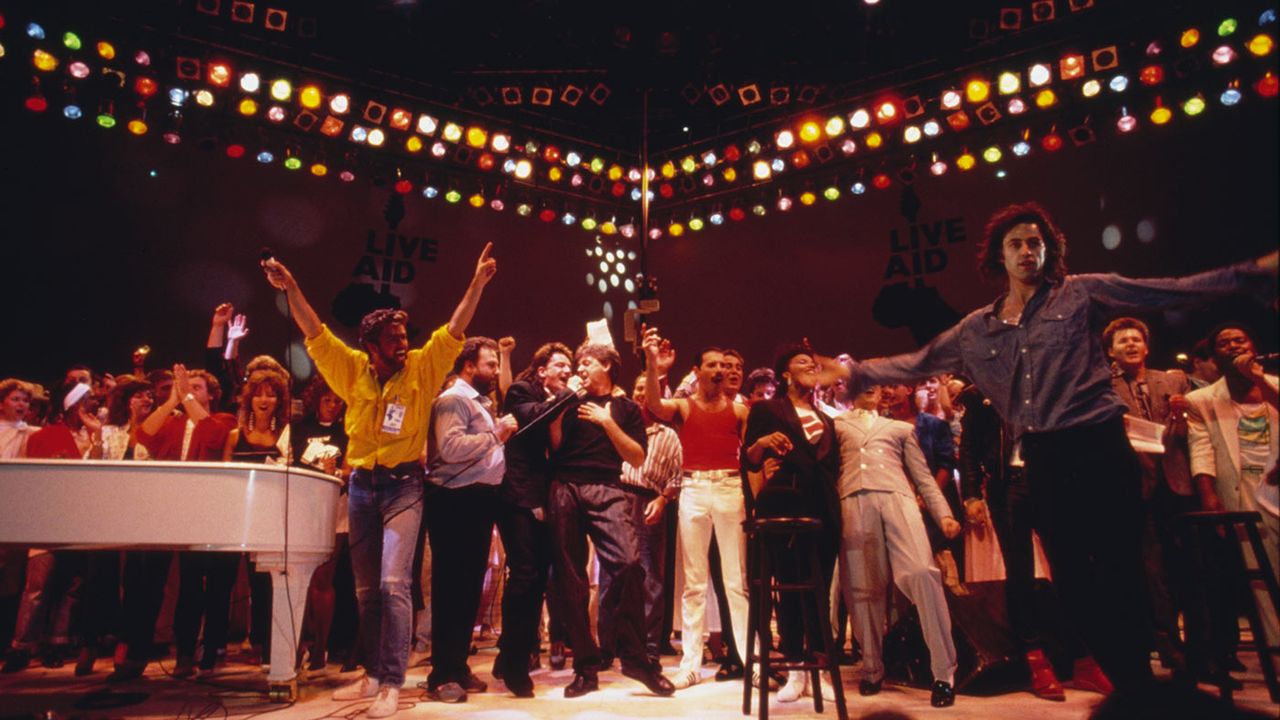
266	254
1267	357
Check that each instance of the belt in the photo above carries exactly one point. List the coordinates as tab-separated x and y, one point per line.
383	475
725	474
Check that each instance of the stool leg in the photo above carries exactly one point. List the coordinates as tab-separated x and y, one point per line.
828	642
1265	654
749	659
811	607
766	633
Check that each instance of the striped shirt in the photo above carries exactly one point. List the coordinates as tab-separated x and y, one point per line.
662	463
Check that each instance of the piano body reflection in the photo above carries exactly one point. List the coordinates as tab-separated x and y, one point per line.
283	517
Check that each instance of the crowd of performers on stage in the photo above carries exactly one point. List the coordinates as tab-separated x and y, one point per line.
1003	449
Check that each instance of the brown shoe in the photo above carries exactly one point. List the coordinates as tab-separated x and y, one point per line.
1044	683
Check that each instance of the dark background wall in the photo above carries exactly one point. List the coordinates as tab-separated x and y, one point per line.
112	241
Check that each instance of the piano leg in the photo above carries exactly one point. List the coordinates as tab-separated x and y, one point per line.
288	602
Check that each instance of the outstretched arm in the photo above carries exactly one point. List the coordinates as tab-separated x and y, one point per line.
654	348
485	269
303	314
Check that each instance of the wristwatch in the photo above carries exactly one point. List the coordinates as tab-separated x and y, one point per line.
188	397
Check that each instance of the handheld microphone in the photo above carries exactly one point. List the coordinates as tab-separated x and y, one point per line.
1267	357
266	254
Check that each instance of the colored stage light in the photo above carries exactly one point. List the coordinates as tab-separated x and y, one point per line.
695	224
476	200
778	164
800	159
729	174
485	161
1266	85
932	128
377	137
340	104
248	106
1119	83
219	74
546	215
275	114
524	209
452	196
1223	55
675	229
106	50
319	169
1161	114
886	112
938	167
452	132
1052	142
977	91
716	216
1046	98
950	99
1189	38
687	164
1071	67
784	203
848	146
808	197
37	103
78	70
966	161
760	170
71	40
1193	105
1017	106
858	188
524	169
881	181
250	82
427	124
992	154
235	150
477	137
834	126
958	120
1126	123
589	224
266	156
1091	88
281	90
1261	44
831	192
44	61
1022	148
859	119
596	166
873	140
72	112
145	86
35	31
359	133
292	163
784	139
1039	74
142	58
1009	83
331	126
413	144
346	176
810	132
912	134
1230	96
310	98
500	142
572	159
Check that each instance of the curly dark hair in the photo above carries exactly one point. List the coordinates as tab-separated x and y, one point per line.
121	395
371	325
782	361
604	354
991	246
276	382
471	351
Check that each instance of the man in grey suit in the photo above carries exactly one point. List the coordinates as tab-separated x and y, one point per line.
882	529
1157	396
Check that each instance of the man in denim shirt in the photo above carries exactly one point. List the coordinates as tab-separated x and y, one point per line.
1036	353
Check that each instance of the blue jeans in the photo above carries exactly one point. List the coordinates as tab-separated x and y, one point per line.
385	508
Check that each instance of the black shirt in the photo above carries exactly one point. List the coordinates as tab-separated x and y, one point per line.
302	433
586	453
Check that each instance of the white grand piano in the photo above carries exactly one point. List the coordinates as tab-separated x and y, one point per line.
283	517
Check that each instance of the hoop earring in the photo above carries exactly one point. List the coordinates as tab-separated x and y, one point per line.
273	425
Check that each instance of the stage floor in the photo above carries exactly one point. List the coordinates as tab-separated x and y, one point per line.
238	692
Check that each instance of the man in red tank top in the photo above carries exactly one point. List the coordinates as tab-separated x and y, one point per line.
711	499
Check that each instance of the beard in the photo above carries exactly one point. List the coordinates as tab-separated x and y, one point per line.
482	385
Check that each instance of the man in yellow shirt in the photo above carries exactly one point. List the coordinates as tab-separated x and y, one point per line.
388	389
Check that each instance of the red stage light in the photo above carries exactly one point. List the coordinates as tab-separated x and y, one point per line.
666	190
235	151
1052	142
1267	85
881	181
737	213
732	153
145	86
1151	75
37	103
219	74
618	189
546	215
403	186
485	161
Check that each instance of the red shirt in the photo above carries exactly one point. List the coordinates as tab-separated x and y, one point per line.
710	440
54	442
208	439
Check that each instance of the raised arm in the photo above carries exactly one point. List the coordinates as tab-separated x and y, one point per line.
1251	277
303	314
485	269
654	348
505	347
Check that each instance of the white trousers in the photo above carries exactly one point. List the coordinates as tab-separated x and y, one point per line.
883	531
707	507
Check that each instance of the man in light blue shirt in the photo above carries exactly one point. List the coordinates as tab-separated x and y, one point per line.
465	467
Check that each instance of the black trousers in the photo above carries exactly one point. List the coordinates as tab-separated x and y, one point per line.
1086	500
145	575
204	591
460	529
527	542
790	563
600	512
1164	560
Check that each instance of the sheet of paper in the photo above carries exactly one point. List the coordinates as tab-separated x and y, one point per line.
598	333
1144	435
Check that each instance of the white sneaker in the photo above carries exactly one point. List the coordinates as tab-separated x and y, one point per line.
797	683
828	693
685	678
362	689
386	705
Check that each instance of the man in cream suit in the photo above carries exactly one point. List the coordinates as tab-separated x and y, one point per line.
1231	428
883	528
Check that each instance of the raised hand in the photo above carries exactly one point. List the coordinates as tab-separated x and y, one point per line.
237	329
278	275
181	383
593	413
506	345
223	313
486	266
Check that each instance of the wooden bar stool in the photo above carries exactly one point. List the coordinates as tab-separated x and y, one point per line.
761	534
1198	526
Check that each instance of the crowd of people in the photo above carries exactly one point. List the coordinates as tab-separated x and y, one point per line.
1029	442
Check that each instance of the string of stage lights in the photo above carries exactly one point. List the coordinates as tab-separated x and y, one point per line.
982	117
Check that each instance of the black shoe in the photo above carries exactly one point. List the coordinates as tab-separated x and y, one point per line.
499	666
1233	664
16	661
127	671
185	667
866	687
52	658
557	656
519	684
650	675
729	671
942	695
473	684
84	664
582	684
